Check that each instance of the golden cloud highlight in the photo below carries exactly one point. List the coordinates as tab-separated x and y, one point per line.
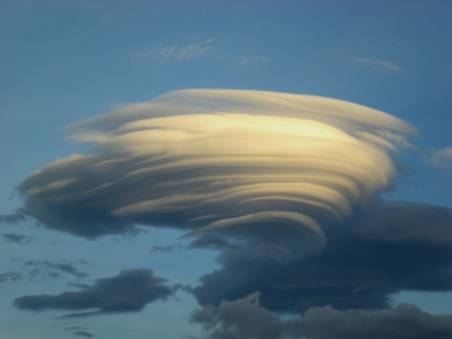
211	159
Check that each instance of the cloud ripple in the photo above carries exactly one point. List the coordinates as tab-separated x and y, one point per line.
218	160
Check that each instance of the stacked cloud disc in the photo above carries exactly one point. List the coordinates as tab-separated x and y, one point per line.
219	160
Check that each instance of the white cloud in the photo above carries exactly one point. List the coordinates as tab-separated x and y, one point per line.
383	65
177	52
223	160
442	158
247	60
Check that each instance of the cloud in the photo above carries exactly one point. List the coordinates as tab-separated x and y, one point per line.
10	277
176	52
382	65
12	218
79	331
285	186
53	269
239	319
17	238
162	248
254	59
33	270
442	158
382	249
129	291
242	319
227	161
83	334
74	328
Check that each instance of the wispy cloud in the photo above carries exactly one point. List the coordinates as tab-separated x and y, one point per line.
254	59
53	269
10	277
162	248
176	52
442	158
17	238
379	64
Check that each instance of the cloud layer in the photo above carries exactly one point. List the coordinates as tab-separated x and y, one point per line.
219	160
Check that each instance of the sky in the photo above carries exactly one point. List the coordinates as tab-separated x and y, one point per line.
225	169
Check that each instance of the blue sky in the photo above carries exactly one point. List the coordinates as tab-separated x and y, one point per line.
65	61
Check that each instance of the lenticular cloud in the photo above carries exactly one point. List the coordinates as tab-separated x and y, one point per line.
218	160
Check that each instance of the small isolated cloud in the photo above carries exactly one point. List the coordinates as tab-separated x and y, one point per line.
176	52
377	64
442	158
74	328
249	60
244	319
162	248
40	268
12	218
84	334
17	238
79	331
33	270
129	291
10	277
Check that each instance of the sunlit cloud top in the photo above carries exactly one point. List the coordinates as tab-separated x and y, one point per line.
223	160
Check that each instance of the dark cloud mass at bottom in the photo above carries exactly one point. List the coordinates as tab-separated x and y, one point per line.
242	319
383	249
129	291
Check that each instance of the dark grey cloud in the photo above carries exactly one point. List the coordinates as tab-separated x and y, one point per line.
13	218
17	238
55	268
84	334
384	249
78	285
79	331
74	328
130	290
10	276
32	270
241	319
163	248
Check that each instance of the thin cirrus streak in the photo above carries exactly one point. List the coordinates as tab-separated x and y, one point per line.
209	159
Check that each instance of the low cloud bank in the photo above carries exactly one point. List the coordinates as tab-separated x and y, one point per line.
242	319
